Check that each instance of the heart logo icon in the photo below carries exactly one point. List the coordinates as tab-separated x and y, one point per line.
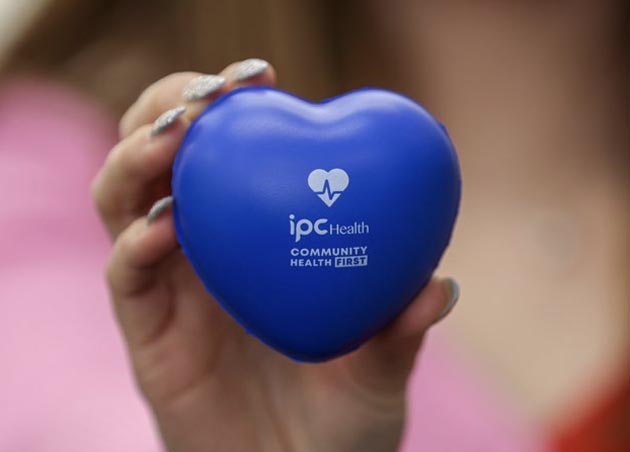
311	279
328	185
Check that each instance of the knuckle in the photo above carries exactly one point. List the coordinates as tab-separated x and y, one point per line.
126	245
122	124
121	157
125	125
110	271
115	160
98	194
95	189
122	250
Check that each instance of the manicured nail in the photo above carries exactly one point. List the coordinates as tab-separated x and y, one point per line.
452	290
200	87
158	208
166	119
249	68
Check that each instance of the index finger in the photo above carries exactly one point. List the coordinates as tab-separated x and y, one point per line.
194	88
162	95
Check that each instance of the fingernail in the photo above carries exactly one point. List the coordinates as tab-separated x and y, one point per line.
166	119
249	68
200	87
452	291
158	208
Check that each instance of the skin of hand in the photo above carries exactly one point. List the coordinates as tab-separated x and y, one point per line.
211	386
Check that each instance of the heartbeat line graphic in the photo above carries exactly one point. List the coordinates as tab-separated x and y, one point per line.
328	185
328	195
327	191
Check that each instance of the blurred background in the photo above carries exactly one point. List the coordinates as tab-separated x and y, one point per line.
535	94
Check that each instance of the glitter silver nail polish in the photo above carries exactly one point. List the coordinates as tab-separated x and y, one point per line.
166	119
249	68
454	294
200	87
160	206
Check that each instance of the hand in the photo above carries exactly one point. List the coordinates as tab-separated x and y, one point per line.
211	386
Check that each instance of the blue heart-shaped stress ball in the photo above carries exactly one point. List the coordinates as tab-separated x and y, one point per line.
315	224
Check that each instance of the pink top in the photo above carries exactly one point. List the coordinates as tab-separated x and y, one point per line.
65	384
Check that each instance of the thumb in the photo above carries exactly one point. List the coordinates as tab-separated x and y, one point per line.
385	362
